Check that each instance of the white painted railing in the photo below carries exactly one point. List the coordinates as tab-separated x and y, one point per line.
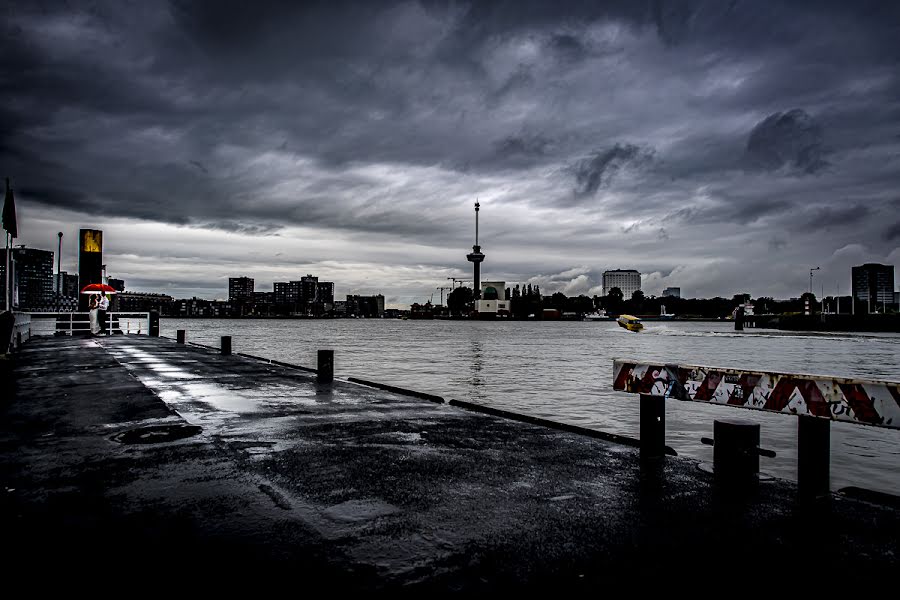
69	323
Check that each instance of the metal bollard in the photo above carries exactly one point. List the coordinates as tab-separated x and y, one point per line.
153	327
325	367
179	336
653	427
736	451
813	457
226	345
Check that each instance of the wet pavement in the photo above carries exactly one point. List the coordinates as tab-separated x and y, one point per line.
122	452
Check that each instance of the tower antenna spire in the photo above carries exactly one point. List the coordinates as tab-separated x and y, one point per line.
477	208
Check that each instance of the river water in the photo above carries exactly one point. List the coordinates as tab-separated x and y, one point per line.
563	371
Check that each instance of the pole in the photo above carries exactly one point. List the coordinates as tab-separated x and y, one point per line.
477	207
6	289
59	272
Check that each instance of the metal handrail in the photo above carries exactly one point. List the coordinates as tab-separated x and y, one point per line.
68	323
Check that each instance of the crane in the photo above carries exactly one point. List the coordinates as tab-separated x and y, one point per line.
459	281
442	293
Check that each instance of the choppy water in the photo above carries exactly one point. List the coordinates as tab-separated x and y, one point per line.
563	371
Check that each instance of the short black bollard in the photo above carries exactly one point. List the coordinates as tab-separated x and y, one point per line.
226	345
325	367
736	451
813	457
179	336
653	427
153	327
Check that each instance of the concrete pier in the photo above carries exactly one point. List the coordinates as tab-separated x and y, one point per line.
350	487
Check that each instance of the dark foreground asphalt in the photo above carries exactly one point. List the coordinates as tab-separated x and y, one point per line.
347	487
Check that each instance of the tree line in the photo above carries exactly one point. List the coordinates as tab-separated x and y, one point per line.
527	302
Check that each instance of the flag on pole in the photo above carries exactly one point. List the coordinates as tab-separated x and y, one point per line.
9	212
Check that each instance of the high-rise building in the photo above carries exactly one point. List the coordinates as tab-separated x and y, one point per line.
872	287
90	261
627	280
240	289
309	286
31	279
673	292
117	284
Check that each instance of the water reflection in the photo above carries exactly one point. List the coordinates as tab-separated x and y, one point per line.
477	364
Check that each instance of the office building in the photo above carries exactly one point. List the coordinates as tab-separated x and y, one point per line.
117	284
872	288
627	280
240	289
31	279
672	292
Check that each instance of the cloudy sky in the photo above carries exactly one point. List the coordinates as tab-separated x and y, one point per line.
718	146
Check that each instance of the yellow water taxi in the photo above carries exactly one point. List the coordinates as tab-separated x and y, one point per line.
629	322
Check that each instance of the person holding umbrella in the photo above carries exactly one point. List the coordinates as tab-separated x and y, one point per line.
103	306
99	303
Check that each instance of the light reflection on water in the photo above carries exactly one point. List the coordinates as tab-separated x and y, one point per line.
563	371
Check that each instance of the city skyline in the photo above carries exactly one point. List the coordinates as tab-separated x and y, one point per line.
719	149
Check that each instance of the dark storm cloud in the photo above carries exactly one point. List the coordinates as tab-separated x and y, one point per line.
623	124
601	167
893	232
836	216
791	138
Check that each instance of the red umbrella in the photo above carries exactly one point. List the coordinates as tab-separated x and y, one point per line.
98	288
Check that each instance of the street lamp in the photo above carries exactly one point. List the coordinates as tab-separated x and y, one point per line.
810	278
59	273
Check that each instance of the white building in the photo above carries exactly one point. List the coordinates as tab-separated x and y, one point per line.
493	299
627	280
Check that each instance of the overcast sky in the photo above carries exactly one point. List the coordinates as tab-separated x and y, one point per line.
717	146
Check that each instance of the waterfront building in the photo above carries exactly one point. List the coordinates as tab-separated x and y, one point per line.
627	280
364	306
672	292
240	289
31	279
282	292
309	286
263	297
493	301
325	292
144	302
872	288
